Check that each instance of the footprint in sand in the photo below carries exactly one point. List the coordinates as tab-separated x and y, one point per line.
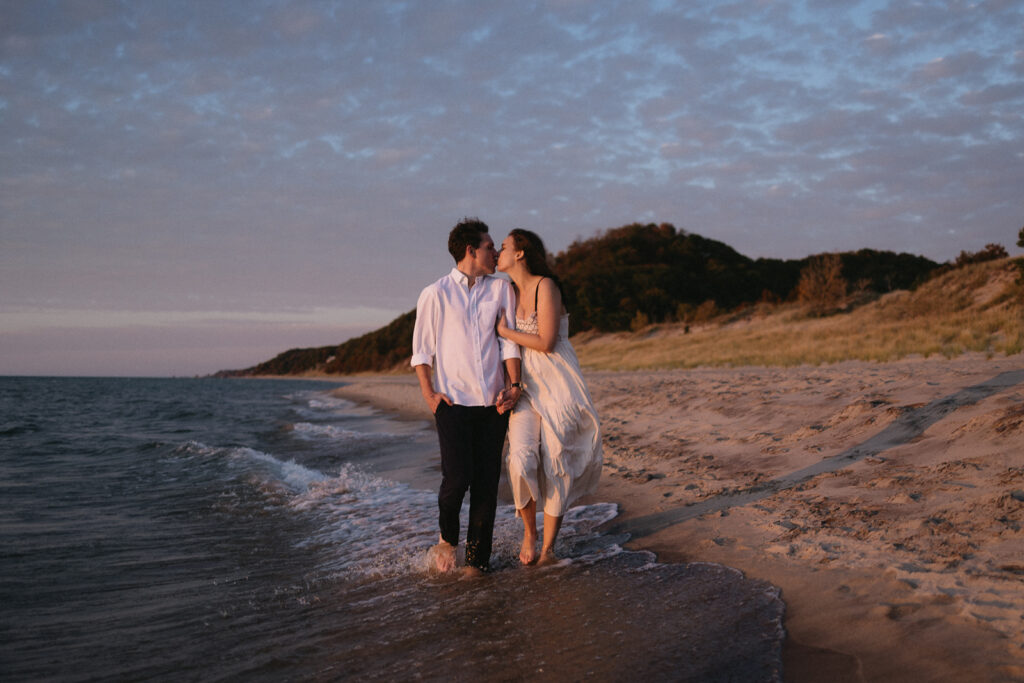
899	611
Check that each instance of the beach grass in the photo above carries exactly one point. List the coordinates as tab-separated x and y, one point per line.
977	308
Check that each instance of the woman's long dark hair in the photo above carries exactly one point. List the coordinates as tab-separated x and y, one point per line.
534	253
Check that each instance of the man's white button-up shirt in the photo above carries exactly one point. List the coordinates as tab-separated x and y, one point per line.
455	334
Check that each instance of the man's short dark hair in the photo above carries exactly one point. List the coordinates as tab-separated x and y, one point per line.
468	232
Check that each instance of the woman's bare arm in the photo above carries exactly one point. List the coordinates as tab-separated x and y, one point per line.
549	309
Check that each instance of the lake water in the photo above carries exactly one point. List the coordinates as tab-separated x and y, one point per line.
210	529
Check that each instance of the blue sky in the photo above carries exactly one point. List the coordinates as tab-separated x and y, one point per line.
191	186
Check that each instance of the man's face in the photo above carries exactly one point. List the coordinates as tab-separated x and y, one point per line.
484	257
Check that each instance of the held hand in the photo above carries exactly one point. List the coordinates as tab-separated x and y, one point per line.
503	405
507	399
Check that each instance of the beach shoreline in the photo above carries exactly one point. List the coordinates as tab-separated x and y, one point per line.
900	560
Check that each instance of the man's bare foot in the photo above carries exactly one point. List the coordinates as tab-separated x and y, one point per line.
444	556
547	557
528	551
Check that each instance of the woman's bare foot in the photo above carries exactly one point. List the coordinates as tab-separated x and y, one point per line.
528	551
547	557
547	549
444	556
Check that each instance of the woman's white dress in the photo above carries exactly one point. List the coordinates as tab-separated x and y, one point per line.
553	433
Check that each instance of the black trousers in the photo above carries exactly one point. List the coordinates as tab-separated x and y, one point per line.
471	440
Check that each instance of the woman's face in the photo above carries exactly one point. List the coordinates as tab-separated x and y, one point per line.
507	255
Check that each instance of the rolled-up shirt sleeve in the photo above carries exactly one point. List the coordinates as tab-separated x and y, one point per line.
509	349
424	332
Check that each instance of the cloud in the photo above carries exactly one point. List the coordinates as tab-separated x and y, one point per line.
242	156
1002	93
24	319
965	65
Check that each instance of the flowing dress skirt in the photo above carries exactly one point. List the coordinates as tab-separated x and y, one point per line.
554	434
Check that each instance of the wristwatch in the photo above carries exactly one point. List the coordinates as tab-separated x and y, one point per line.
517	385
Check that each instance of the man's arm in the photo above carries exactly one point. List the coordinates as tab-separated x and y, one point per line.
424	347
513	371
513	388
433	398
510	355
509	349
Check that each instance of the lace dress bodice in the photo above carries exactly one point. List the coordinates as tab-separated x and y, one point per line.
529	325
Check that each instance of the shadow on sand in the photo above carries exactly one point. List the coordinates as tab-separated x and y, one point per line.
905	428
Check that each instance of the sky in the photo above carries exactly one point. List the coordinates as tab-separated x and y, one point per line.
188	186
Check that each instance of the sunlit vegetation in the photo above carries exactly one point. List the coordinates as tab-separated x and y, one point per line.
822	289
976	308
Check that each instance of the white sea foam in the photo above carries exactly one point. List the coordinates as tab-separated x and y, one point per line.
579	536
330	403
296	476
367	525
370	526
195	448
589	517
324	403
310	430
319	399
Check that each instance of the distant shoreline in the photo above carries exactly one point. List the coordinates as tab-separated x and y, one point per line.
974	309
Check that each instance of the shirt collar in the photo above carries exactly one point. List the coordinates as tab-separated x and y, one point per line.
463	279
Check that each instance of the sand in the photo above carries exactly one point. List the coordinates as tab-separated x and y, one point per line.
885	500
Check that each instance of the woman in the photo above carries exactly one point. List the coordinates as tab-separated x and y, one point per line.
553	433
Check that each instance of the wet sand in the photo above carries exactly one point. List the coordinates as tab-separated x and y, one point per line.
885	500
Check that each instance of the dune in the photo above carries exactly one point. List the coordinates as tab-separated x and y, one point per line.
974	309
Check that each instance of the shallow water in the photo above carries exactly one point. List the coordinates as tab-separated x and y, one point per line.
232	529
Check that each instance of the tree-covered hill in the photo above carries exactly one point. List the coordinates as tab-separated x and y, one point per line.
661	272
379	350
636	274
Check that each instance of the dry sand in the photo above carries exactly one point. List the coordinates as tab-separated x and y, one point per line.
886	500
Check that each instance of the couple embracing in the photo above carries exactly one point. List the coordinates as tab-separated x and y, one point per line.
493	358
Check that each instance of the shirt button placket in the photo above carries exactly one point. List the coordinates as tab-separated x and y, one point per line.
477	338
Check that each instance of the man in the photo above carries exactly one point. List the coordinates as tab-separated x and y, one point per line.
471	392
